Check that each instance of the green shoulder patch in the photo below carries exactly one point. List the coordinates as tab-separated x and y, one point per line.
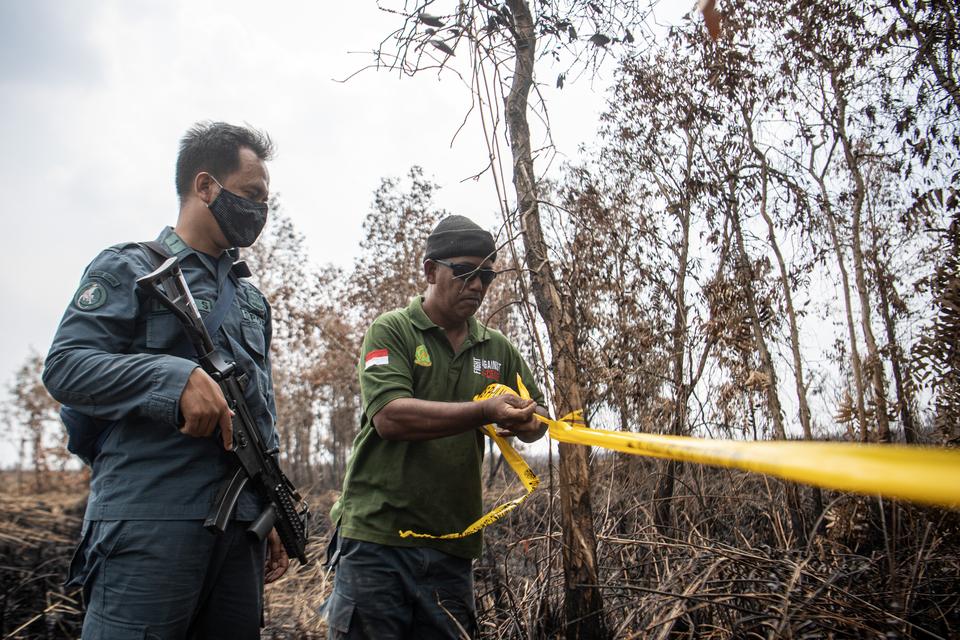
255	300
90	296
422	357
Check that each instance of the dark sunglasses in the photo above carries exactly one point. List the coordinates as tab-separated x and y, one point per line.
468	272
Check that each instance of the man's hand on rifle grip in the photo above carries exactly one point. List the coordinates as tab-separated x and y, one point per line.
204	408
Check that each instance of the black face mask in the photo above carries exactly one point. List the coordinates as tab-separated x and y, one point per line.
241	220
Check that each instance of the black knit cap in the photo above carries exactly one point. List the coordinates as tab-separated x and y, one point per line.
459	236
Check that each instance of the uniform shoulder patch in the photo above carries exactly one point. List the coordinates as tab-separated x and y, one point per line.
90	296
422	356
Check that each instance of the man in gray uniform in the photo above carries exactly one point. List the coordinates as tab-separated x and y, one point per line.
158	425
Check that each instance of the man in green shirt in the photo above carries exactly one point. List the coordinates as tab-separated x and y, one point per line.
415	464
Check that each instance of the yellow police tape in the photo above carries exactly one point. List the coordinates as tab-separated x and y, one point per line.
518	464
929	475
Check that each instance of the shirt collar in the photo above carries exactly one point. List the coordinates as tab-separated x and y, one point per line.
177	247
477	332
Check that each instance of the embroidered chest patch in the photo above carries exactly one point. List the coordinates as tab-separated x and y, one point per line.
422	357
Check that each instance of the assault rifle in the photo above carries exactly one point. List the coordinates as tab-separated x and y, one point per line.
285	510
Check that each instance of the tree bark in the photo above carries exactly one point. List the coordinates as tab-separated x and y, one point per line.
583	600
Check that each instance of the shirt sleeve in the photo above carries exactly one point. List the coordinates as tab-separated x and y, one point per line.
90	366
385	367
268	364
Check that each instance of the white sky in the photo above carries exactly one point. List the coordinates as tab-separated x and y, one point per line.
94	97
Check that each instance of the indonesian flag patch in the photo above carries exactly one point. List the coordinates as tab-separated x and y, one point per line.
379	356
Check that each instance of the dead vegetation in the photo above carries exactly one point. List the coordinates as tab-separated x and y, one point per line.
726	567
37	535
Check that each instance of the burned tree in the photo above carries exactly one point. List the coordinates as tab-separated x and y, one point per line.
503	42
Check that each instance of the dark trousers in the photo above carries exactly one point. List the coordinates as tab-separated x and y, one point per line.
400	592
169	580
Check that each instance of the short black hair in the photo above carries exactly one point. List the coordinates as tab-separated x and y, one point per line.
214	147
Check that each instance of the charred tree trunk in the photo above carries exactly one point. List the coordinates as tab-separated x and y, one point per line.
874	361
798	377
904	397
745	275
800	383
583	601
855	362
663	494
884	287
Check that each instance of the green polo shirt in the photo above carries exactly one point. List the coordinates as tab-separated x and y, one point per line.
430	486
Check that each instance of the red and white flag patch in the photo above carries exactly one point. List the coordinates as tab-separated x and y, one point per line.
378	356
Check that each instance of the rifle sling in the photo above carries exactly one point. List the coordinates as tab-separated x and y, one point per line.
225	297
